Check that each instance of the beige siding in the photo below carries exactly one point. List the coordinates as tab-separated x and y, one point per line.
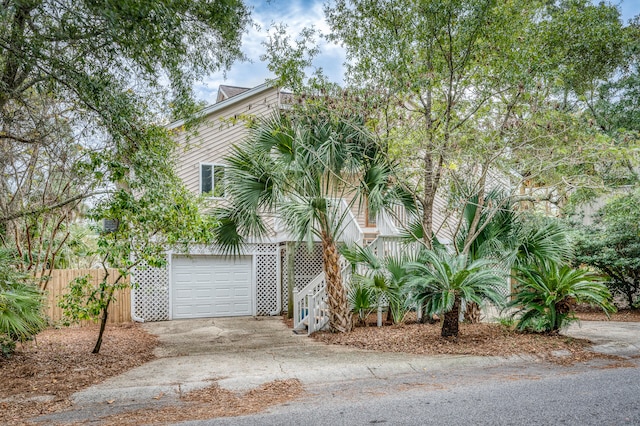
443	223
216	135
226	126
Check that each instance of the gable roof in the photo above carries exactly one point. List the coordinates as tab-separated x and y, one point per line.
226	92
218	106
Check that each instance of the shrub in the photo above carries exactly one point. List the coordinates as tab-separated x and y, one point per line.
361	299
441	281
546	296
21	302
612	245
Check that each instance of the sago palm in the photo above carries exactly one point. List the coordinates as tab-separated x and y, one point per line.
297	167
546	296
441	281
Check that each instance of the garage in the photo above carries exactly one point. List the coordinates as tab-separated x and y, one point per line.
211	286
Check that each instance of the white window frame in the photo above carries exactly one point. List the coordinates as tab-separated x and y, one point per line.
213	166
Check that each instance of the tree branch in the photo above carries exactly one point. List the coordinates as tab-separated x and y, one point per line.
45	209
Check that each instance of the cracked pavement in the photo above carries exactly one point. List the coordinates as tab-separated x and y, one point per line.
242	353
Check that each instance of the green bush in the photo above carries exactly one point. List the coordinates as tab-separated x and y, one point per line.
7	345
442	281
612	246
21	303
384	278
361	299
546	296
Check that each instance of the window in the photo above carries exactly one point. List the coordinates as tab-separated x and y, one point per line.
212	179
371	218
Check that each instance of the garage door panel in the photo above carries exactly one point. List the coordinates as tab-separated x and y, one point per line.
202	293
241	292
222	293
241	307
211	286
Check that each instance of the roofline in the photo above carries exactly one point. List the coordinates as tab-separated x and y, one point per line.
234	87
221	105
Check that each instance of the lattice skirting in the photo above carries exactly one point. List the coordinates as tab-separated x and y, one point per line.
307	266
151	293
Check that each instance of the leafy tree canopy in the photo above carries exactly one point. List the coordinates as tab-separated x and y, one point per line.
85	87
612	245
474	86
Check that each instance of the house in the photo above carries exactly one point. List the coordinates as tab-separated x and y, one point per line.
205	282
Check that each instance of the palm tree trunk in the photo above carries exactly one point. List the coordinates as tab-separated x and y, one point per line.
472	313
340	317
451	319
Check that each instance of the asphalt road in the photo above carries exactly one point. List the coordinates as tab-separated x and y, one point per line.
536	394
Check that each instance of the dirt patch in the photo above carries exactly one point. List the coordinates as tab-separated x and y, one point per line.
41	375
474	339
214	402
586	313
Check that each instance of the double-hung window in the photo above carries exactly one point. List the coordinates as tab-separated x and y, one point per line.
212	180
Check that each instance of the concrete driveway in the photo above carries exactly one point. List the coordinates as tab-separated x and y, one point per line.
243	352
609	337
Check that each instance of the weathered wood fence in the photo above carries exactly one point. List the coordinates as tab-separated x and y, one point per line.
58	284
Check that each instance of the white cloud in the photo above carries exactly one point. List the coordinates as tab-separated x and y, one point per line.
296	15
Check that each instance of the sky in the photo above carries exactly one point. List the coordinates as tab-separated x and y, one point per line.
297	14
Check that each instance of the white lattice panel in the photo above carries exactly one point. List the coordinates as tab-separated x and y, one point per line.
307	266
267	284
151	293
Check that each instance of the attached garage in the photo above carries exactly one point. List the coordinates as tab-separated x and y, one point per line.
204	286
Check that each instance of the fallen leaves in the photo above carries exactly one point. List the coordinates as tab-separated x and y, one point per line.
474	339
42	374
212	402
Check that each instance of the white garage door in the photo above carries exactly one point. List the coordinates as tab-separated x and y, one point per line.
211	286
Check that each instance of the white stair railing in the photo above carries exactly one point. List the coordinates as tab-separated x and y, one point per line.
350	233
319	311
386	224
303	298
310	304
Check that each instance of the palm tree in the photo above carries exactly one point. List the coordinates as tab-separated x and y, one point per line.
385	278
441	281
509	237
21	304
298	167
547	294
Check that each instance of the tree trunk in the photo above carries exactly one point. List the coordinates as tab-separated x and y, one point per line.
103	321
427	202
103	324
450	320
472	313
340	317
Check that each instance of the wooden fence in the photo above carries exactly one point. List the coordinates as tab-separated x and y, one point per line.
58	284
